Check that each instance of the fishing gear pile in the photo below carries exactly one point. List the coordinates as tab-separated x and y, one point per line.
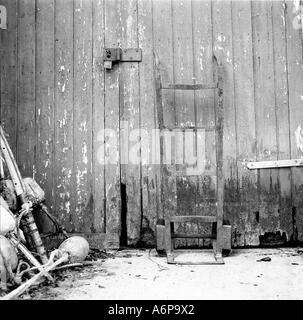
24	260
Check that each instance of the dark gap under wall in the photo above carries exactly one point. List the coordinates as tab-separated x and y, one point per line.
257	215
294	238
278	239
123	239
273	239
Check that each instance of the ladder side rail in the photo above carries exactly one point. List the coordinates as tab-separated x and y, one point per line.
219	115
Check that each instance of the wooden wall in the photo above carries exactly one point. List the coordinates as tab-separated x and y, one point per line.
56	97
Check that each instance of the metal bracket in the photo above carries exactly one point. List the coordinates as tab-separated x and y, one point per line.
3	17
275	164
131	55
112	55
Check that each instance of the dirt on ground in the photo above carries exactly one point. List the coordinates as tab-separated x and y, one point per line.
142	274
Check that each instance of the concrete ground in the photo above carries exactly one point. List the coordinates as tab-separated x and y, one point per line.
141	274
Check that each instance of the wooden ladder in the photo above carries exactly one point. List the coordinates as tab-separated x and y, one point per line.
216	235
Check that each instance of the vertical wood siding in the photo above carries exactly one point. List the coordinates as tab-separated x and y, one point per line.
56	98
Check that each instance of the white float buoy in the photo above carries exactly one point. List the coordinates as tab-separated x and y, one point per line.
7	220
8	252
77	247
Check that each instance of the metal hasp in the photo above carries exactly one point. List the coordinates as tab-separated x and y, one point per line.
218	233
115	55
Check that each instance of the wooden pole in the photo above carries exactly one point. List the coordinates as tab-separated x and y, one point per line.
19	188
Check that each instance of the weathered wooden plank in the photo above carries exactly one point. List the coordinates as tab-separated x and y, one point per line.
130	113
295	80
44	161
98	116
8	73
204	104
112	166
203	60
150	170
26	142
162	30
266	138
282	114
64	111
245	121
185	107
163	47
183	61
223	48
83	206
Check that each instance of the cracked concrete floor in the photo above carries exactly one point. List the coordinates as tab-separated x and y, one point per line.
141	274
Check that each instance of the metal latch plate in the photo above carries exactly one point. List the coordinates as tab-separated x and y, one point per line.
131	55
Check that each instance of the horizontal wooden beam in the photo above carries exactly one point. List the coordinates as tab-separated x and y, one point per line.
193	236
275	164
206	219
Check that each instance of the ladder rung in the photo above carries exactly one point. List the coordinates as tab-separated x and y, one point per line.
193	235
193	128
207	219
190	86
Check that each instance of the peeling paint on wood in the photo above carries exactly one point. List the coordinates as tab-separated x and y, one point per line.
56	98
150	173
111	115
45	103
295	80
9	74
64	115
